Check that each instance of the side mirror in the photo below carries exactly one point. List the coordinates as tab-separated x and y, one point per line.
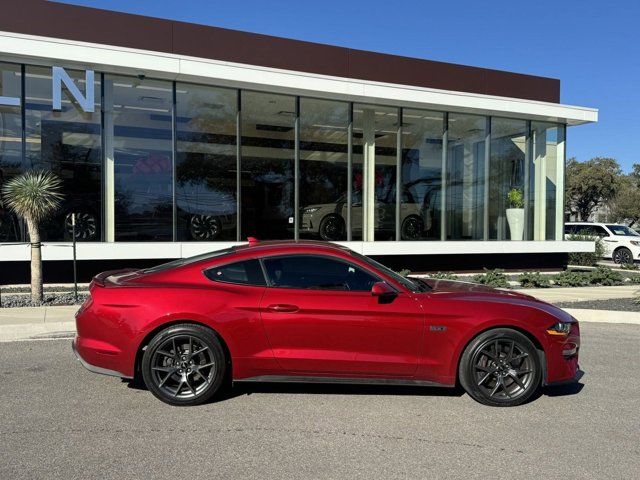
382	289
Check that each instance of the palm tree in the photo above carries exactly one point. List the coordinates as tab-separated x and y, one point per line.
34	195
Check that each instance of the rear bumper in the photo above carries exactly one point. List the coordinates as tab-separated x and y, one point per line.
94	368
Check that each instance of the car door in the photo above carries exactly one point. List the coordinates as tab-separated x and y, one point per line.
321	319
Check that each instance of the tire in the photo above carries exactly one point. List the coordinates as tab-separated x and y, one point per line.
332	228
86	226
412	228
512	380
171	373
204	227
622	255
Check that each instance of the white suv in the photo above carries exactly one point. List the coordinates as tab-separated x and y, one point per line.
622	244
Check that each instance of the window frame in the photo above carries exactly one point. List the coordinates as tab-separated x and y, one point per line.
319	255
226	264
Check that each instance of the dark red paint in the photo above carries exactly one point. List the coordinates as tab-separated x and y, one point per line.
274	331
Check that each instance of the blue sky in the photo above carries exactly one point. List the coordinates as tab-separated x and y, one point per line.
592	46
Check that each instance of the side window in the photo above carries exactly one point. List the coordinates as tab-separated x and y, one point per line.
317	273
600	231
247	272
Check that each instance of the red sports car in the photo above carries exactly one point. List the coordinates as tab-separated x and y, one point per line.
317	312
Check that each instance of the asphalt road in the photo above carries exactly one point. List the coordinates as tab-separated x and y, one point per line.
59	421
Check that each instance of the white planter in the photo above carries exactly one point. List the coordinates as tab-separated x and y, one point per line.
515	217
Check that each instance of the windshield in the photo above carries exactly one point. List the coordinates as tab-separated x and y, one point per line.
623	230
414	285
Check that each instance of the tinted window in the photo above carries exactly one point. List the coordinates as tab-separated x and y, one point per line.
189	260
319	273
247	272
622	230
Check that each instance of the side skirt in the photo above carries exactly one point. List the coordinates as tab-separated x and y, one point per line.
341	380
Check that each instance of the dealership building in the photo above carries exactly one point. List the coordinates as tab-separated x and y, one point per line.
174	139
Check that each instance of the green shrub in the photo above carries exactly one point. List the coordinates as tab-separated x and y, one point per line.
515	197
605	276
569	278
628	266
587	259
534	280
443	276
492	278
404	272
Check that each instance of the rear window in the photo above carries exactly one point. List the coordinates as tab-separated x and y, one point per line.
189	260
246	272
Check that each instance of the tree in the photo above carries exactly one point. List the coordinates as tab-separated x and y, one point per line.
590	184
625	207
34	196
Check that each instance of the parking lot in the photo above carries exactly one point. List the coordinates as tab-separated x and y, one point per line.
59	421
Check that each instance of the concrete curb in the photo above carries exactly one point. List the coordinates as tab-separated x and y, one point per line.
604	316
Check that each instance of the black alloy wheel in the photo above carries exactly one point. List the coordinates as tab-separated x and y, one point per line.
86	226
412	228
184	365
501	367
622	255
332	228
204	227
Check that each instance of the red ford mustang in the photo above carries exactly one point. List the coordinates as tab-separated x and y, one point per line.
317	312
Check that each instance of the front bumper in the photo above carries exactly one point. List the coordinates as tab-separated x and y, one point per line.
94	368
562	357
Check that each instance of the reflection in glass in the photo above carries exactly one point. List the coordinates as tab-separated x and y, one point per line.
547	161
68	143
206	163
375	134
465	177
421	175
323	168
10	146
506	173
267	165
140	115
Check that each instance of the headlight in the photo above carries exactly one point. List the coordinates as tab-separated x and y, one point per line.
635	242
560	328
310	209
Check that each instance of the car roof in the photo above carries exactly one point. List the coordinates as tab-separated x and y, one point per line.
270	245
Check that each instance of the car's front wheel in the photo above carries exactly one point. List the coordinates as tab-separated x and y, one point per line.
184	365
332	228
622	256
501	368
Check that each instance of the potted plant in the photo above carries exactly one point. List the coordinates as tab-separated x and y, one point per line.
515	213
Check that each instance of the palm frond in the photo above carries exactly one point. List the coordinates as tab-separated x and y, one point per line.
34	194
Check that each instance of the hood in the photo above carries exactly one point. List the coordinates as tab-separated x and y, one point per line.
455	289
460	287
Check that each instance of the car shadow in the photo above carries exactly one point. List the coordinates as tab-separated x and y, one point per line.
241	388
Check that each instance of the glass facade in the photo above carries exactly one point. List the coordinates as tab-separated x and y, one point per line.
11	144
421	174
67	142
163	161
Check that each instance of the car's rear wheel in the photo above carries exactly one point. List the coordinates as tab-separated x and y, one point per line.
622	255
184	365
332	228
501	368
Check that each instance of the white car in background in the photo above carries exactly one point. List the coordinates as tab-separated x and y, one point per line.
622	244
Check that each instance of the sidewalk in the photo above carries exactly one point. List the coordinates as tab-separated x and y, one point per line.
578	294
32	323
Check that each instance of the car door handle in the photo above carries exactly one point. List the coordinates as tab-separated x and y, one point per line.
283	308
